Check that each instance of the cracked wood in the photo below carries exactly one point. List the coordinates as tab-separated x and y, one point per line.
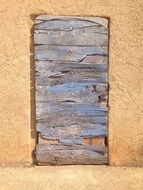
71	63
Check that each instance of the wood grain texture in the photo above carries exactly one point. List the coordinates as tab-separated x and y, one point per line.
73	54
71	63
97	20
71	154
79	94
68	39
83	130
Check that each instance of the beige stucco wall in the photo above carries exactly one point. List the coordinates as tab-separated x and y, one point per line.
126	75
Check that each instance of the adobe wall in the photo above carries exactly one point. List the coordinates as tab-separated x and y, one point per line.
17	110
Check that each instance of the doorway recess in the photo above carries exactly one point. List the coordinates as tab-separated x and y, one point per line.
71	58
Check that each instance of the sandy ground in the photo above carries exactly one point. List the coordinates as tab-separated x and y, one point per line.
71	177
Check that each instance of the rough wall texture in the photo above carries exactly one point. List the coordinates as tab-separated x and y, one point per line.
67	178
126	78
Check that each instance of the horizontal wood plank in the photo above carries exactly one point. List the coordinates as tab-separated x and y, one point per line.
99	29
68	23
86	91
75	130
63	120
72	154
75	86
70	53
67	39
96	20
71	108
58	78
70	113
100	65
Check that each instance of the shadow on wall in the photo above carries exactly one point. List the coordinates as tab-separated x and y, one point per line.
32	91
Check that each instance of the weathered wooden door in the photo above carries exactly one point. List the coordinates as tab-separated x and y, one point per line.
71	57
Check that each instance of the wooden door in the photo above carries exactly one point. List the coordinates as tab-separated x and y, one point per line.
71	58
